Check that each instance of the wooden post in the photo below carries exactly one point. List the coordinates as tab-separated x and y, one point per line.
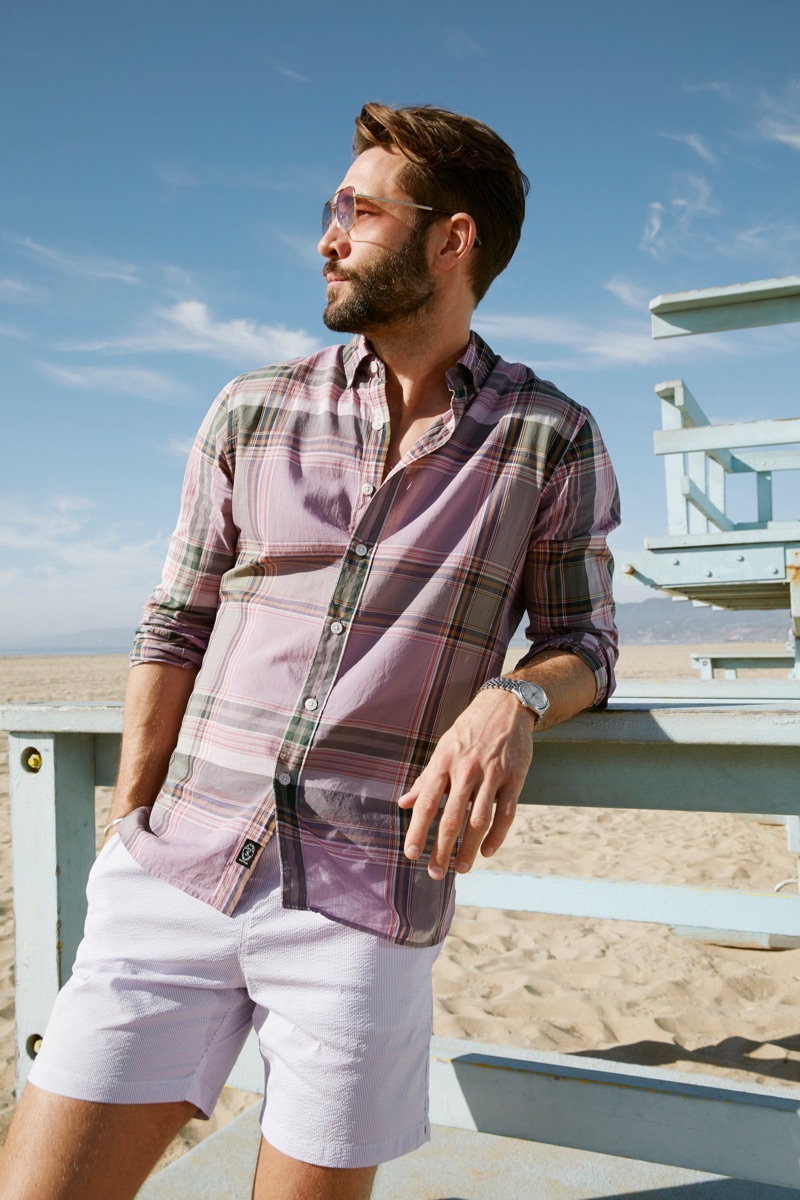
52	825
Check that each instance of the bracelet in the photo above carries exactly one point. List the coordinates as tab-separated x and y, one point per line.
111	824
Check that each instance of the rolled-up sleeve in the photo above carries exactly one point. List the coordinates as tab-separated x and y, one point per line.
568	570
179	616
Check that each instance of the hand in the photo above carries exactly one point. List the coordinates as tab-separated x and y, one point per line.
481	761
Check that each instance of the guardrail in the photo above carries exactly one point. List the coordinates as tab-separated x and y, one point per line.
701	752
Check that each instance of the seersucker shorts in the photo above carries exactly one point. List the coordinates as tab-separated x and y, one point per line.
165	990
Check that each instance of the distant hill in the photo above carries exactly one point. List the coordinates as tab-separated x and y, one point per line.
87	641
664	620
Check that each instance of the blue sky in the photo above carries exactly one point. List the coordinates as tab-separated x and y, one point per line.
163	169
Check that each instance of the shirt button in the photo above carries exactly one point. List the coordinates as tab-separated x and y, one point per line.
311	704
361	550
377	424
285	778
373	366
368	489
337	627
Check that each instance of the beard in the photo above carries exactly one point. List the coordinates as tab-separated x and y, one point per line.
396	287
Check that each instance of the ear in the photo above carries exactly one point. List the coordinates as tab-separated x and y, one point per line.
453	241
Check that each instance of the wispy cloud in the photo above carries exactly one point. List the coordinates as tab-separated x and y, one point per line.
589	347
780	116
631	294
178	176
725	91
12	331
70	569
17	292
461	45
127	381
188	327
90	266
695	143
672	227
177	447
293	75
303	248
766	238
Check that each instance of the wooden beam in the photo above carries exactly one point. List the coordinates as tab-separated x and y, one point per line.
741	306
727	437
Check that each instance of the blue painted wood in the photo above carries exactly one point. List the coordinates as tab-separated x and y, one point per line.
602	899
741	306
464	1164
678	1119
654	753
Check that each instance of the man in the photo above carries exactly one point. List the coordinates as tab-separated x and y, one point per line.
316	735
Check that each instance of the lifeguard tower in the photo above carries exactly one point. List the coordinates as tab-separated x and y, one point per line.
707	556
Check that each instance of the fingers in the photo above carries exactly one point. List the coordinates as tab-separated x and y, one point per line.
425	797
484	816
504	813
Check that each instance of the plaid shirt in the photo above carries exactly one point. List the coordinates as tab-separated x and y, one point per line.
342	621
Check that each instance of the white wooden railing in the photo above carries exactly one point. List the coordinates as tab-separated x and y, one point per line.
650	752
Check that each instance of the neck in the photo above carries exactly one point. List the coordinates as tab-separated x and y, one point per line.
417	357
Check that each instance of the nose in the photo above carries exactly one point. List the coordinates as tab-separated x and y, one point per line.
334	244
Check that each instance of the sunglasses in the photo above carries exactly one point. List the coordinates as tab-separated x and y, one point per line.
343	209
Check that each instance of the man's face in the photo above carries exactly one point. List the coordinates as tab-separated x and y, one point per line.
378	273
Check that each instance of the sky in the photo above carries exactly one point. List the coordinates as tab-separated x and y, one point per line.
164	167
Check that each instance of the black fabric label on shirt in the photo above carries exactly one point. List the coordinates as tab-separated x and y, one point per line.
247	854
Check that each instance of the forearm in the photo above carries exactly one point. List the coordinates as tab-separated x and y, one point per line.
570	684
155	702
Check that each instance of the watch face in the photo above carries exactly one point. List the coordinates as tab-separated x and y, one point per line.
534	696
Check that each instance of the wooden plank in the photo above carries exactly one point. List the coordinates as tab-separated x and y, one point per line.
759	460
83	716
655	1116
778	536
703	505
727	437
602	899
675	779
592	1104
740	306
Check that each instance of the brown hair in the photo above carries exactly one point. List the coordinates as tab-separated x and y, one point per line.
457	164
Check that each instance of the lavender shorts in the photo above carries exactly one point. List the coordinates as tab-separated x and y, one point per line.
165	990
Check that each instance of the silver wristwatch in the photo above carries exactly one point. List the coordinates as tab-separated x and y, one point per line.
530	695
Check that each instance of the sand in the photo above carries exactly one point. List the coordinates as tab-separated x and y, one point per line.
619	990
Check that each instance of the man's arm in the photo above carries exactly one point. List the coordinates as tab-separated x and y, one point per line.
483	759
481	762
155	702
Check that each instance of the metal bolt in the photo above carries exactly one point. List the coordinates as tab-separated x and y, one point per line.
32	759
740	558
629	569
33	1045
676	562
709	574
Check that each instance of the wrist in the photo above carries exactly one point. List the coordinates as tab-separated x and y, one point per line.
529	696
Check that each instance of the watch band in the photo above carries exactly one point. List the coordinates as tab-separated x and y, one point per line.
530	695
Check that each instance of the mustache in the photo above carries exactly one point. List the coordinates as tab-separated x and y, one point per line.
332	269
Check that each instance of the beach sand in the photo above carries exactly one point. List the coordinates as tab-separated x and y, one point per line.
623	991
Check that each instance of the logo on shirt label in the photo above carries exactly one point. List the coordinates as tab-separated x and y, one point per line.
247	853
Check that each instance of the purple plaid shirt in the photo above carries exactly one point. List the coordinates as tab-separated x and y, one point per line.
341	620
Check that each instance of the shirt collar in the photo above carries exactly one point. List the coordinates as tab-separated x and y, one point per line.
469	374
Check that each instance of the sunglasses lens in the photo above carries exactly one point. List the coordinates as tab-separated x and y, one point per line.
346	209
327	216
